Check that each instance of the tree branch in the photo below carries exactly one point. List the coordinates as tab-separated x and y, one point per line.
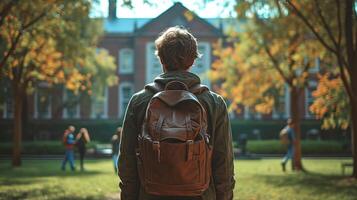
6	10
339	21
276	65
345	81
11	50
294	9
349	34
325	25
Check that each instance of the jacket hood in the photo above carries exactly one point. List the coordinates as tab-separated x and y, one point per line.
188	78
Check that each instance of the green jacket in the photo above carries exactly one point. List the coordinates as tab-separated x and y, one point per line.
222	181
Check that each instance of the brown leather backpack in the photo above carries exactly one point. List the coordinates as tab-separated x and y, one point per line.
174	156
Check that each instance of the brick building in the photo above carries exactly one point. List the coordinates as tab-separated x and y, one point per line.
131	42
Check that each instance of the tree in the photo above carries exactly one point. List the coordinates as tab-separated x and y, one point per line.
331	104
59	49
333	23
272	51
25	19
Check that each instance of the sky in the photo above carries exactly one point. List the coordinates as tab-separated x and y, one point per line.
210	9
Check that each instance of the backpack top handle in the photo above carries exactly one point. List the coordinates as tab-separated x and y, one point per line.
176	85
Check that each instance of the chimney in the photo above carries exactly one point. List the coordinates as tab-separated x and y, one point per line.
112	8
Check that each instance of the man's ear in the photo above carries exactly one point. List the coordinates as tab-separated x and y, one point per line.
163	66
189	64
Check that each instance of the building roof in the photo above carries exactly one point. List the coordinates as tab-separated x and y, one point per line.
130	25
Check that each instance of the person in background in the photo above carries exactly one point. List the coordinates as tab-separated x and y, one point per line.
68	141
82	139
287	136
115	148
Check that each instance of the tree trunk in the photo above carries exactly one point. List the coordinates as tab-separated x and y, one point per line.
354	137
18	99
295	94
353	103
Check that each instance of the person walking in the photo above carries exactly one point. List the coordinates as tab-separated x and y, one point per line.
115	148
68	141
82	139
176	139
287	138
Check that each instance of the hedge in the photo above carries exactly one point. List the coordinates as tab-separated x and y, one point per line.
102	130
310	147
256	147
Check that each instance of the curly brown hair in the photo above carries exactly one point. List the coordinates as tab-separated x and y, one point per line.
177	49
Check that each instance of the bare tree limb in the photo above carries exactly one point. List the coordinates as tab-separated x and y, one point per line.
311	27
276	65
12	49
6	10
345	81
339	21
325	25
349	34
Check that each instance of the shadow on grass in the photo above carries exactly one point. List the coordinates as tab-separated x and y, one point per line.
313	182
54	193
45	169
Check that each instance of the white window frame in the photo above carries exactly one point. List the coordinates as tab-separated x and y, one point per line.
36	113
150	56
5	113
316	68
247	114
5	110
121	97
105	106
287	101
206	59
121	69
65	109
307	110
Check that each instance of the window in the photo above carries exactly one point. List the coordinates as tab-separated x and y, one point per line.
202	65
126	90
316	68
71	105
281	109
250	113
309	99
43	101
100	105
126	61
8	103
9	108
153	65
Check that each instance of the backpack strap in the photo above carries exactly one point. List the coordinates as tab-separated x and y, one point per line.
154	87
198	89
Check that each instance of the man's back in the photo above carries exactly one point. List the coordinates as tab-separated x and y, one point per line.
222	181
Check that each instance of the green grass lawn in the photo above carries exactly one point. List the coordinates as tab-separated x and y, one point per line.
256	180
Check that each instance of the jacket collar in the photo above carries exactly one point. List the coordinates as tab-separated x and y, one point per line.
186	77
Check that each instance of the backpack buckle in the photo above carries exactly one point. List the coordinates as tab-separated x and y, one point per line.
189	155
156	148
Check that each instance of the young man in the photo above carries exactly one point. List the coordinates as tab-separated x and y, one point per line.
177	50
69	142
115	148
290	136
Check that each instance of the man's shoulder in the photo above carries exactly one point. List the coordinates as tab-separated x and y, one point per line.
143	96
215	98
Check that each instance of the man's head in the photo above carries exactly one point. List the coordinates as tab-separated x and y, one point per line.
290	122
119	129
177	49
71	128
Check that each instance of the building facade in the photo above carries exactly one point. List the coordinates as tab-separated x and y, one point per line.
131	42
